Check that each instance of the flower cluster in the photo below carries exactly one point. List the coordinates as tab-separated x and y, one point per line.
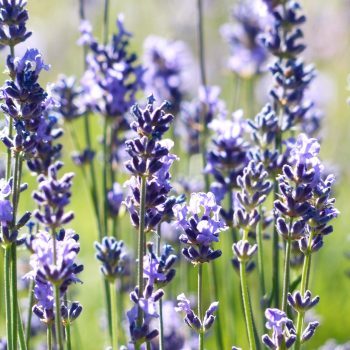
283	330
248	55
110	253
292	77
26	103
254	189
53	264
167	65
229	155
159	269
201	223
264	131
193	320
53	196
113	76
305	196
194	114
151	160
13	18
70	98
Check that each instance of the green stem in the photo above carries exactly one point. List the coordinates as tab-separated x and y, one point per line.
104	177
200	305
21	336
68	336
215	294
105	22
161	323
15	200
7	273
261	254
30	313
285	289
303	288
275	257
286	278
246	305
203	80
58	323
49	336
114	312
141	246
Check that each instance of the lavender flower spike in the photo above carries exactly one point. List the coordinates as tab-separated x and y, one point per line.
201	223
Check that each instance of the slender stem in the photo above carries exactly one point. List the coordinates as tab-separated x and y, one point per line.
104	176
58	323
30	313
15	199
200	305
81	9
49	336
246	305
286	278
215	294
68	336
203	80
261	254
201	42
303	288
285	289
141	246
161	323
105	22
275	257
114	312
21	336
7	273
148	346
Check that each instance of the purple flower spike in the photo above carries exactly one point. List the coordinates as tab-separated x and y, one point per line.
201	225
248	55
13	18
168	65
276	319
283	330
302	303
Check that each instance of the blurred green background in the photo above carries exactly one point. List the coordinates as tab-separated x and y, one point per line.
55	31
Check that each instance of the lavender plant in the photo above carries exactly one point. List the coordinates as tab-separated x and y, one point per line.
201	223
150	163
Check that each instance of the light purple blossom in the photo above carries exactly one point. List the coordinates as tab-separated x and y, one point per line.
6	210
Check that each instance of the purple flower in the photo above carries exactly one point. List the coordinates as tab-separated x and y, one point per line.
113	76
276	319
150	157
110	253
248	55
167	66
183	304
69	97
201	224
13	18
53	196
147	303
6	210
115	198
150	269
283	330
